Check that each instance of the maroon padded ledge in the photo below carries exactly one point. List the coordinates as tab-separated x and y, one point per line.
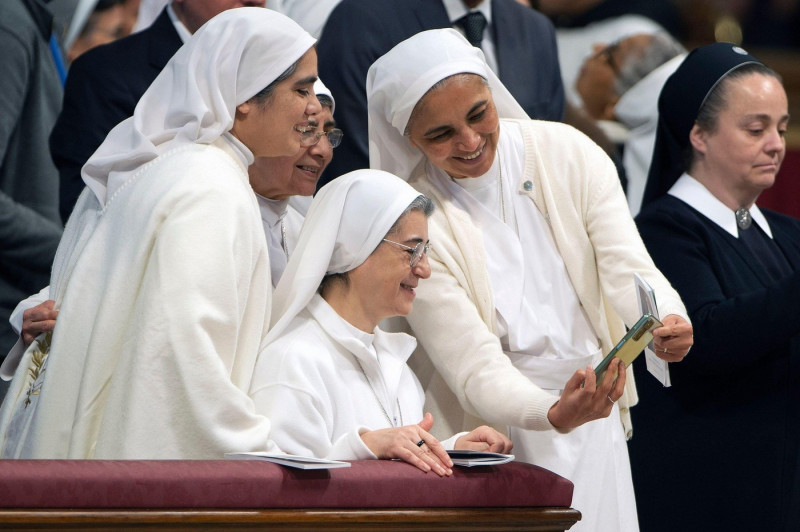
225	484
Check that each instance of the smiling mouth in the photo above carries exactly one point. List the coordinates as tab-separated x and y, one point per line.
407	287
474	155
305	128
310	169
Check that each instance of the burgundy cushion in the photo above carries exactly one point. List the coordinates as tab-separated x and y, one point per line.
253	484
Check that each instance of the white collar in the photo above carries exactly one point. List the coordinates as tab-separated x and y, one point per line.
388	350
338	327
696	195
456	9
183	32
272	211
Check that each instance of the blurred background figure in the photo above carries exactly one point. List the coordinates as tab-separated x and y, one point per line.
95	22
148	12
616	67
582	13
310	14
577	45
618	86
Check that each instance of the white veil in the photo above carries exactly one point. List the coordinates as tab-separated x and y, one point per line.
347	220
402	76
193	100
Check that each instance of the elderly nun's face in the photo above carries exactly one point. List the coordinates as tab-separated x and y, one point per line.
384	284
296	175
744	152
456	126
271	128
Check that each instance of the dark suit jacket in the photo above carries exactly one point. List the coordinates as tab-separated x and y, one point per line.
103	87
360	31
30	95
724	439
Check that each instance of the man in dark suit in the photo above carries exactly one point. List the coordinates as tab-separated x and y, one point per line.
357	32
105	83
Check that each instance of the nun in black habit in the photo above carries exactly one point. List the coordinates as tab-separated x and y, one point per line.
719	449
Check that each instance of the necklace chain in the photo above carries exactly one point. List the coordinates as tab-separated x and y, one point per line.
392	421
283	238
500	189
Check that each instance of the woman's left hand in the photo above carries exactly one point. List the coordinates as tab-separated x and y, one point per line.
673	341
485	439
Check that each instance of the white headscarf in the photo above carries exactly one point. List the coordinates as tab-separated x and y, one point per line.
347	220
320	88
193	100
402	76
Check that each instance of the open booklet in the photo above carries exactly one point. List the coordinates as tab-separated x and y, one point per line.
467	458
289	460
647	305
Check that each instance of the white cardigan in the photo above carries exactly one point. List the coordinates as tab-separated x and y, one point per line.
575	186
161	314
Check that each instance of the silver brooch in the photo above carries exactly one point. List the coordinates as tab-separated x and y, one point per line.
743	218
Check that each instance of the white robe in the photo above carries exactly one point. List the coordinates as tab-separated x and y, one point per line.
574	186
162	311
311	385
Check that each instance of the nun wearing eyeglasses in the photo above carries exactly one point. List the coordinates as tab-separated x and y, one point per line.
331	381
284	185
724	440
532	273
162	279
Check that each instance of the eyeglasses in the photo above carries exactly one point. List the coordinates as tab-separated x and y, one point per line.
417	252
311	138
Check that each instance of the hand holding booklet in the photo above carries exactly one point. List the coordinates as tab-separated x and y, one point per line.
657	367
289	460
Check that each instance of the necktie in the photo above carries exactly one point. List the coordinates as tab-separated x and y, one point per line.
473	23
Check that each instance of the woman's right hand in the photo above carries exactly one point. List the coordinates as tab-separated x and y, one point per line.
401	442
584	400
38	319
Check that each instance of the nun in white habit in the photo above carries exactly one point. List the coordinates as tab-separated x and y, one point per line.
532	273
284	185
162	277
331	381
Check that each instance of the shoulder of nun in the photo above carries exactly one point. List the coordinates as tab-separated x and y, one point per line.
552	135
419	180
200	169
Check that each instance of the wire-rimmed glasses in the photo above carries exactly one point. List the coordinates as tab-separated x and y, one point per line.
311	137
417	252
